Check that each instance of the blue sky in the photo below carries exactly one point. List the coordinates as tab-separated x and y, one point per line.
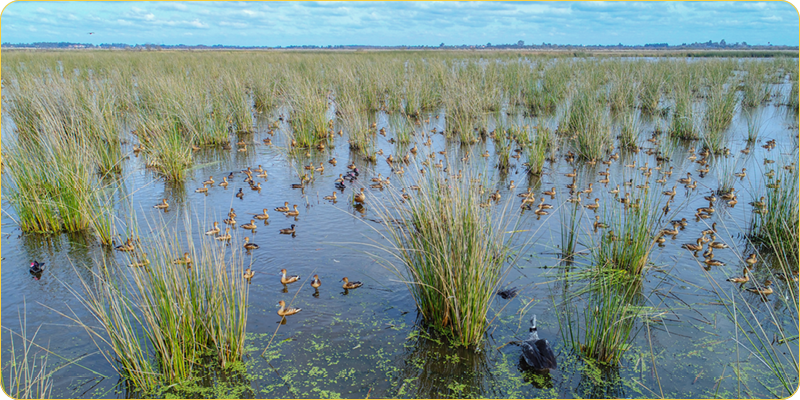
398	23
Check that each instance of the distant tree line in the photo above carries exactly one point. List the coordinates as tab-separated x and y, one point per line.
518	45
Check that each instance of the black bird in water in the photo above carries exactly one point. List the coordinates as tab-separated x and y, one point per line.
537	352
37	267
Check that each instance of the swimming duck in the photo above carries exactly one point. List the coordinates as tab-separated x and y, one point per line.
203	189
718	245
248	245
740	279
262	216
268	141
293	213
185	260
162	205
315	283
251	226
594	206
751	259
288	231
128	246
214	230
740	175
256	187
350	285
142	263
686	180
712	262
551	192
331	197
262	174
240	194
229	221
332	161
670	192
226	236
36	268
248	273
544	206
243	149
360	197
224	182
288	279
321	168
283	311
670	232
710	231
694	247
209	182
340	179
300	185
285	207
766	289
598	224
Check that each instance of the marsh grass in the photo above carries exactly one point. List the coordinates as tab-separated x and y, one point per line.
454	253
629	132
720	107
775	229
602	329
160	319
537	148
631	234
682	125
25	371
165	148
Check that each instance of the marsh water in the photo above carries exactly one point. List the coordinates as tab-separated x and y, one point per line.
370	342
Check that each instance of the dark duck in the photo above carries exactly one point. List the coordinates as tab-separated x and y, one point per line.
537	352
37	267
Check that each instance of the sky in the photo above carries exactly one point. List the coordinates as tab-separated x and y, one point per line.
398	23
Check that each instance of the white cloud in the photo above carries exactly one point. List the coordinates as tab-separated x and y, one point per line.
198	24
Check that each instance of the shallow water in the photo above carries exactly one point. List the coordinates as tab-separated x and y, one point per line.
368	341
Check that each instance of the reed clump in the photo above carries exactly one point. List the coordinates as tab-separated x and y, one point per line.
453	251
159	317
25	372
774	228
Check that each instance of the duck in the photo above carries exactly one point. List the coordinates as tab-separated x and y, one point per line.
285	207
248	245
766	289
162	205
511	185
740	279
315	283
251	226
321	168
544	206
598	224
360	197
710	231
240	194
670	232
203	189
226	236
572	174
185	260
288	231
300	185
694	247
686	180
142	263
293	213
224	182
712	262
718	245
340	179
214	230
209	182
350	285
711	198
740	175
288	279
36	268
759	204
262	174
262	216
669	192
332	161
268	141
127	246
229	221
539	211
751	259
248	273
594	206
243	149
691	185
331	197
232	213
551	192
682	222
283	311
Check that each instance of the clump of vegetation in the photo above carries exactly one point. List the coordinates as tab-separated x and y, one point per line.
160	319
775	225
453	251
26	374
682	125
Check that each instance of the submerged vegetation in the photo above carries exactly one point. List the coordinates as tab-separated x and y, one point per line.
459	162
